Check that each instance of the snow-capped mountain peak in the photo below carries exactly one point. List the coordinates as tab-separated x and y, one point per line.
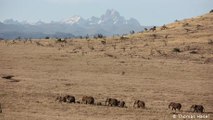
73	20
111	17
11	21
111	22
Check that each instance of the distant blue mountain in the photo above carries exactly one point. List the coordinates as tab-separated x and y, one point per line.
108	24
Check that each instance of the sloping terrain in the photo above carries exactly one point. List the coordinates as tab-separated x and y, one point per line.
174	64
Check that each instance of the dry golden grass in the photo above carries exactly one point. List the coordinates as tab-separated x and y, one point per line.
142	67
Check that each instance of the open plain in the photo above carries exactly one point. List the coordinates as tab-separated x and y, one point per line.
170	64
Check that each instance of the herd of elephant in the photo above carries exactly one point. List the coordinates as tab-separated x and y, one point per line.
108	102
119	103
193	108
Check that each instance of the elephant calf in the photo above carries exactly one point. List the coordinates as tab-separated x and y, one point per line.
197	108
139	104
175	106
88	100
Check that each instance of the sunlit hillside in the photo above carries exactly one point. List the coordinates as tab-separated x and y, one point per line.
173	63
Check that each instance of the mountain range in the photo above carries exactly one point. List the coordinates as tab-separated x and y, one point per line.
110	23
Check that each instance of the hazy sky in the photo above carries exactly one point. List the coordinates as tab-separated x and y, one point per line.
147	12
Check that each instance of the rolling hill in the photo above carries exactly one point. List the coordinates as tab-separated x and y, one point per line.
173	63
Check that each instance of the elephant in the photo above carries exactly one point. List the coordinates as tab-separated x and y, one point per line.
69	99
175	106
121	104
88	100
111	102
66	98
197	108
139	104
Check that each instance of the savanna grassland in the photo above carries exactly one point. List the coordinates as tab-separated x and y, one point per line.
171	64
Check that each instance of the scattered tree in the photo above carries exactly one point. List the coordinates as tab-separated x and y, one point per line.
132	32
18	38
98	36
164	27
153	28
87	36
61	40
47	37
